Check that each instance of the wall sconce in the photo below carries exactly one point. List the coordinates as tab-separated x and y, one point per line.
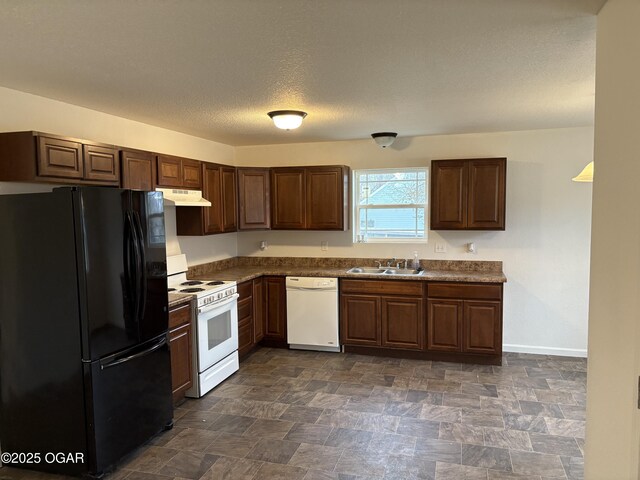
586	175
287	119
384	139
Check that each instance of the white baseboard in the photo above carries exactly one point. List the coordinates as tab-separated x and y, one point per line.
563	352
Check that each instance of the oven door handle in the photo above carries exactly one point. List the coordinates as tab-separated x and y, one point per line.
216	306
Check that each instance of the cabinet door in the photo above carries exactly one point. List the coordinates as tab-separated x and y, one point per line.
360	320
444	325
138	170
482	327
487	180
191	174
258	309
402	322
245	324
229	199
253	199
211	190
169	171
326	198
448	194
60	158
180	346
288	198
276	308
101	164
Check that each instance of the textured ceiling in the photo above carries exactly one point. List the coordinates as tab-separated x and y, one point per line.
215	68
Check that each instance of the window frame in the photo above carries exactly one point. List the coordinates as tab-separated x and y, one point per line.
357	207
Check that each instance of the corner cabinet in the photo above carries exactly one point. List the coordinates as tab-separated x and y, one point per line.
219	187
43	157
310	198
254	197
468	194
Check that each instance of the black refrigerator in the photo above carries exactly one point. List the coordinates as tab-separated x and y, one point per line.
84	358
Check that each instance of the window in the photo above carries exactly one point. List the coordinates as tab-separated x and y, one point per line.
390	205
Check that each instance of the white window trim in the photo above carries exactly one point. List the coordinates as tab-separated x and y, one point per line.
357	207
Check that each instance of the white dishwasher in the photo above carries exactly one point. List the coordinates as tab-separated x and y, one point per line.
312	313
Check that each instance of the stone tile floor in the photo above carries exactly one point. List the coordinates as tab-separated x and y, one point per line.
319	416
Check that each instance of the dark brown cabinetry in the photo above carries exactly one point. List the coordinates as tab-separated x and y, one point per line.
464	318
254	197
258	310
468	194
275	296
138	170
180	345
40	157
219	187
177	172
382	314
310	198
250	315
245	318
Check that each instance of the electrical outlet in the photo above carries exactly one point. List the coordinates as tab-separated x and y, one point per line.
324	246
441	248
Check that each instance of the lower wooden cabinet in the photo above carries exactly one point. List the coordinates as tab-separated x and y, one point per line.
275	296
180	344
464	318
360	320
439	320
370	318
402	322
250	315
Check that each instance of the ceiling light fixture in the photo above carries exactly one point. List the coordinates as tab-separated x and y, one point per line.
287	119
384	139
586	175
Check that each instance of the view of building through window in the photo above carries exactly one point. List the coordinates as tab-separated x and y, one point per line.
390	205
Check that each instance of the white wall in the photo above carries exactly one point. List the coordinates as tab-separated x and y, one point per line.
545	248
23	111
613	418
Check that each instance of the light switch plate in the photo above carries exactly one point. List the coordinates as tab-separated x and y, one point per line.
324	246
441	248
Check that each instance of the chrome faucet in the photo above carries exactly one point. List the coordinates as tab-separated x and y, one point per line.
391	262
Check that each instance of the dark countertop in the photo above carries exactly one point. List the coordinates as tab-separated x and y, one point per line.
244	273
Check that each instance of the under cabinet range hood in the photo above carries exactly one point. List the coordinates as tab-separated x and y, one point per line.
183	198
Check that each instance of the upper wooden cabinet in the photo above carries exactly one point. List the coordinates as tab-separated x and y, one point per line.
288	199
310	198
138	170
178	172
219	187
468	194
42	157
254	209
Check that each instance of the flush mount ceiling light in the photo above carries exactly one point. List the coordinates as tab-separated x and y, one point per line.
287	119
384	139
586	175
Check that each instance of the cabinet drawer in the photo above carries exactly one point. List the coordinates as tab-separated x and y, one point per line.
401	287
472	291
245	290
245	309
245	339
180	316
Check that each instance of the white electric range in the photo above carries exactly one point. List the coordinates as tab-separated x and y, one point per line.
215	346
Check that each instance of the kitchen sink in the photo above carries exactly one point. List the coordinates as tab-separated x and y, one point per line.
385	271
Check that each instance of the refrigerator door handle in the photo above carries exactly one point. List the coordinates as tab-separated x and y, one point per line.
138	270
142	265
129	267
128	358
